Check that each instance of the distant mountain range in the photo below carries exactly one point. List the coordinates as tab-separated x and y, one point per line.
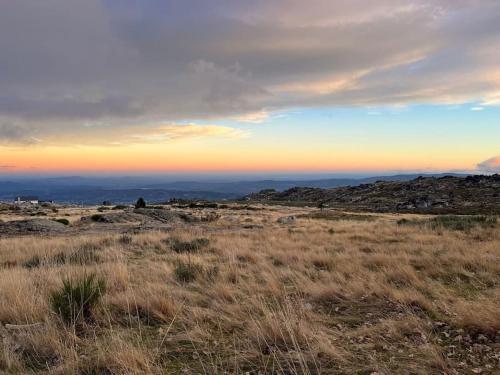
95	190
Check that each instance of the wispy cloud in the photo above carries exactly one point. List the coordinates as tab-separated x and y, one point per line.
253	117
173	132
491	165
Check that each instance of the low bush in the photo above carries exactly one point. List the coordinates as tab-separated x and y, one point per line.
33	262
62	221
125	239
189	246
75	301
187	272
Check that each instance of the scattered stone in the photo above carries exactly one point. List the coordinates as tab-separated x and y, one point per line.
286	219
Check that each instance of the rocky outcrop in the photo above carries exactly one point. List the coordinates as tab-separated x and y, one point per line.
33	226
473	194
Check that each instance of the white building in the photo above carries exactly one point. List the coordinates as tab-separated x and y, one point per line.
26	199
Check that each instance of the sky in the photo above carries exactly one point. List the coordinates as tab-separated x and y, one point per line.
232	86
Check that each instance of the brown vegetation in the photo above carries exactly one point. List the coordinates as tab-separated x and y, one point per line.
317	295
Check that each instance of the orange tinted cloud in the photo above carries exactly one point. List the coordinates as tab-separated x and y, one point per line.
491	165
173	132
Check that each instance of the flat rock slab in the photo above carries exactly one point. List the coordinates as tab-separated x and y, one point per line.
166	216
114	217
32	226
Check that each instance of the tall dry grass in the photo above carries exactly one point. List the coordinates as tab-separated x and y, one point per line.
316	296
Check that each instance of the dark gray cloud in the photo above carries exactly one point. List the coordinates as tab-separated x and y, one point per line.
65	63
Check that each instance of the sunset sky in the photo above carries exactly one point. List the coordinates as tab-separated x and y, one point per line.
340	86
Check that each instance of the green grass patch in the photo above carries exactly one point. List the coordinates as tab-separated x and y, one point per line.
76	299
453	222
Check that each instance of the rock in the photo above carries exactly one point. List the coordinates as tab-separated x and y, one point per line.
32	226
166	216
115	217
253	226
286	219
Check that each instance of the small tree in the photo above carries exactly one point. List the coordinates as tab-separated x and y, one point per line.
322	205
141	203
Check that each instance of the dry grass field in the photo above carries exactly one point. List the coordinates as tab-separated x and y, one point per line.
326	293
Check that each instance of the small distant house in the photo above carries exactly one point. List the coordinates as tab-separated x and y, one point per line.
26	199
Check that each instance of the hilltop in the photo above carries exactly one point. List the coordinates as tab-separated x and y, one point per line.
236	289
447	194
91	190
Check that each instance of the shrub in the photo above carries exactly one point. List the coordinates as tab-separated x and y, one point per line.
62	221
125	239
96	217
33	262
187	272
141	203
119	207
189	246
76	299
404	222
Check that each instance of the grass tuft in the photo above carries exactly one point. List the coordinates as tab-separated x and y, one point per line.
187	272
76	299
